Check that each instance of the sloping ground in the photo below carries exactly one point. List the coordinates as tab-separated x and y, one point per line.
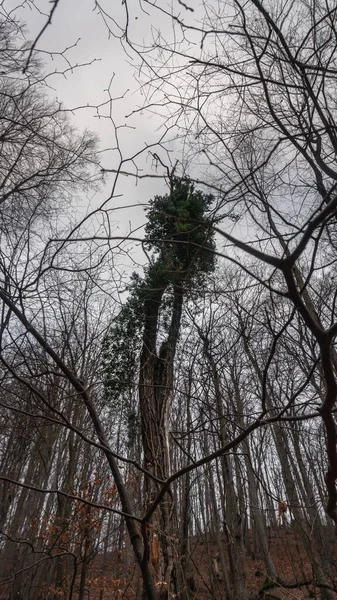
117	577
292	564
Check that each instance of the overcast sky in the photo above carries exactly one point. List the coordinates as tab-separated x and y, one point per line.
75	22
78	27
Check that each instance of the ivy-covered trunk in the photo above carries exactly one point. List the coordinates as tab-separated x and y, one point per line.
155	389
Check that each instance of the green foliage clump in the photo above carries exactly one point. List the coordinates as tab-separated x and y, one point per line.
179	230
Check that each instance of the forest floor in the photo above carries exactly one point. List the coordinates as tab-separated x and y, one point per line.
118	578
290	559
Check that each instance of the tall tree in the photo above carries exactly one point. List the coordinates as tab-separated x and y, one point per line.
179	232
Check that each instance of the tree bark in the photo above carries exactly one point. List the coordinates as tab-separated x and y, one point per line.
155	389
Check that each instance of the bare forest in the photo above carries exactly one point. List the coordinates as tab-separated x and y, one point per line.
168	390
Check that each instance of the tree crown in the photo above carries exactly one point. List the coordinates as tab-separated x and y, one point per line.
179	230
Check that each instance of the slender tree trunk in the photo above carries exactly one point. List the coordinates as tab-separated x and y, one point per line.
293	500
185	499
259	521
233	518
302	526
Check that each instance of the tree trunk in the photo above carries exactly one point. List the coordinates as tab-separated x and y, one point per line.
155	388
259	521
232	517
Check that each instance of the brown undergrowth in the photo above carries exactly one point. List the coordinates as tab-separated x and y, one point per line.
116	576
